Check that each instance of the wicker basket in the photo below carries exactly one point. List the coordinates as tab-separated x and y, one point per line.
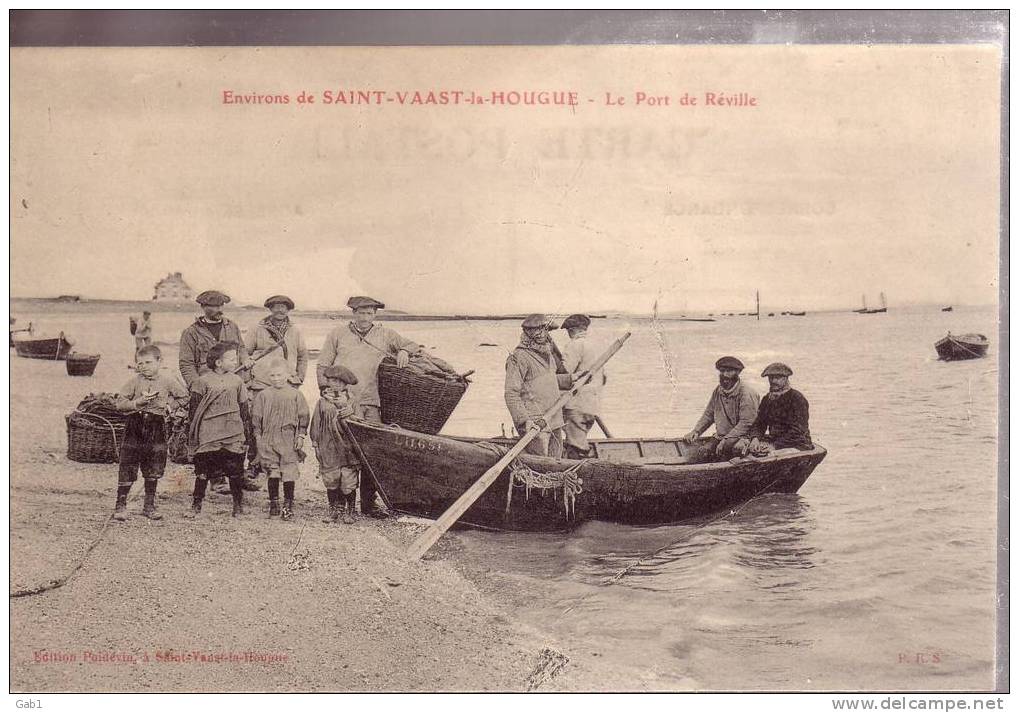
94	438
81	364
417	402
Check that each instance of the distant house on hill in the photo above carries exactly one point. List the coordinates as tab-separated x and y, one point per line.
172	288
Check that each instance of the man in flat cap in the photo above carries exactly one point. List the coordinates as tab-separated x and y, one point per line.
783	420
732	408
580	412
208	329
278	329
361	345
532	387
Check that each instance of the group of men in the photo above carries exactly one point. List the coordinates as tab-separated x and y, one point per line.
745	425
359	346
537	373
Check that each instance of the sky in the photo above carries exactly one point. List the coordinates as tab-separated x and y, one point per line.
860	170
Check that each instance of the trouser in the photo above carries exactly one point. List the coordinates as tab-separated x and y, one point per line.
140	342
373	413
144	448
546	443
219	464
278	456
343	479
578	425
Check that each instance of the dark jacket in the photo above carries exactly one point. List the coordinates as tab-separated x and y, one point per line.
785	420
197	340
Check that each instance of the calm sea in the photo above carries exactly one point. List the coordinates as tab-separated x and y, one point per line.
878	574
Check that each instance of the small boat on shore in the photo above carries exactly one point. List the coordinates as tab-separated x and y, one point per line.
947	309
629	481
956	347
53	348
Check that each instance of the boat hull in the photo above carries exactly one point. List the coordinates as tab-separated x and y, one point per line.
423	475
958	348
52	349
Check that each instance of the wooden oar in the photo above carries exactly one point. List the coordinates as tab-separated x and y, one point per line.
430	536
264	354
601	425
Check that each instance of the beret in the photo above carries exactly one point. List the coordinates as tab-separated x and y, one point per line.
338	371
280	300
355	302
777	369
537	320
577	320
212	297
729	362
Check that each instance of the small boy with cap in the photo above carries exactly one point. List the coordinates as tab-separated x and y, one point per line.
279	420
732	408
783	420
338	466
149	397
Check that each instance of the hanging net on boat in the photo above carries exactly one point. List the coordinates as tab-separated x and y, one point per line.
569	480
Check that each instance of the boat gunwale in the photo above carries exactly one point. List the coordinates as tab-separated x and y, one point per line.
817	450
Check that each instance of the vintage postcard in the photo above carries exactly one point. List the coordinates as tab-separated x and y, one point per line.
626	366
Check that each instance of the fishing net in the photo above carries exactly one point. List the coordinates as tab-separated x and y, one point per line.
568	481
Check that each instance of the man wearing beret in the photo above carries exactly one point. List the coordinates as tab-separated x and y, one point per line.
732	408
361	345
278	329
532	387
580	412
783	420
210	328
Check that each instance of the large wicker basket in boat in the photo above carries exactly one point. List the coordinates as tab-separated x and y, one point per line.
95	431
417	401
81	364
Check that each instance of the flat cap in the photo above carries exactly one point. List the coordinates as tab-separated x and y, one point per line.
361	301
338	371
729	362
533	321
279	300
212	297
577	320
777	369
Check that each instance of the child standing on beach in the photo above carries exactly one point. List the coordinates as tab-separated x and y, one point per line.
149	396
279	419
216	437
338	466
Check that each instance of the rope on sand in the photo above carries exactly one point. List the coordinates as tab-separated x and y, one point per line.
57	583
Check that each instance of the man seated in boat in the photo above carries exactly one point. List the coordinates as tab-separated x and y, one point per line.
532	387
783	419
732	408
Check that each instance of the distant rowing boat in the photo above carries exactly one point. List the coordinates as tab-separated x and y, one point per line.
45	348
956	347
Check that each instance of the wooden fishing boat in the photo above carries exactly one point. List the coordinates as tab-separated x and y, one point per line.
947	309
52	348
630	481
797	314
956	347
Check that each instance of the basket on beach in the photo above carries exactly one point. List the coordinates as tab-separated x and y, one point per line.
81	364
420	397
95	430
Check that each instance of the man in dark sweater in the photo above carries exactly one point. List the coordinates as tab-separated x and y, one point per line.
784	415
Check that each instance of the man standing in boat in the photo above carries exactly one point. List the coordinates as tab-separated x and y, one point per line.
580	412
360	346
783	420
732	408
532	387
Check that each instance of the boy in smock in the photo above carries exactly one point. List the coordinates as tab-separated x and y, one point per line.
149	397
216	437
279	420
337	464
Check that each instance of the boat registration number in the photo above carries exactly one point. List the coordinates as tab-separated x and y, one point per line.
419	444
